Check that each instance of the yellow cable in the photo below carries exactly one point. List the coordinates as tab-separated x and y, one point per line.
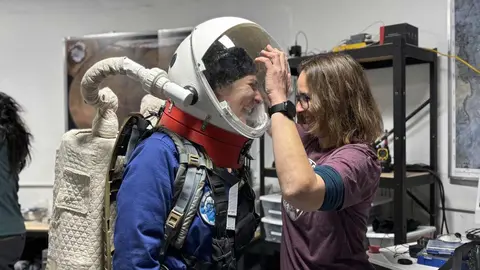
455	57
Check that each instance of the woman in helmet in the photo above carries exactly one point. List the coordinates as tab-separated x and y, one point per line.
148	191
14	154
325	208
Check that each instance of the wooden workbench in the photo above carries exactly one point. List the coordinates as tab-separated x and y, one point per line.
35	226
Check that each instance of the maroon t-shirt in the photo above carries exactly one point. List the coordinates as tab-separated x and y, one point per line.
333	239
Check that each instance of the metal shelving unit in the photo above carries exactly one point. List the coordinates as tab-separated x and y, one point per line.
397	55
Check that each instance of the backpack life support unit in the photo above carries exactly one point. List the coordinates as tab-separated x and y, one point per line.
235	217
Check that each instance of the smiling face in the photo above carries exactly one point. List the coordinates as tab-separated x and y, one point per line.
242	96
340	108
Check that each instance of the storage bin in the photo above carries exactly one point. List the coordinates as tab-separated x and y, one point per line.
273	229
387	239
436	261
272	205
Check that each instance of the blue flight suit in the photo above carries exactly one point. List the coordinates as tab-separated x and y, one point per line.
143	204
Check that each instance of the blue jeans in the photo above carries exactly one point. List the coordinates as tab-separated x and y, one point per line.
11	249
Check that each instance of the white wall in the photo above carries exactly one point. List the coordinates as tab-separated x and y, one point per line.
32	61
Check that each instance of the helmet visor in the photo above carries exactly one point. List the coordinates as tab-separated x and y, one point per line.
235	81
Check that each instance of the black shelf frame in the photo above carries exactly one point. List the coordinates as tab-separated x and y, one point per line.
397	55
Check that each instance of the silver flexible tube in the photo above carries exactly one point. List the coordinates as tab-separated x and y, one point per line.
154	81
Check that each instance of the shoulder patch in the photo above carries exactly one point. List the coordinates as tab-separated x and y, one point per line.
206	208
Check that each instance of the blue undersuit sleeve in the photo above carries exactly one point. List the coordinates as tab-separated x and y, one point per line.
142	204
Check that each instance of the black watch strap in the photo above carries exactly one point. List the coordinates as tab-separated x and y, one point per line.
287	108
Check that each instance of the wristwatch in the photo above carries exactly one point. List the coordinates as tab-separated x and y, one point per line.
287	108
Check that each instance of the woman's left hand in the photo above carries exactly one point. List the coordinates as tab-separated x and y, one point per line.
277	78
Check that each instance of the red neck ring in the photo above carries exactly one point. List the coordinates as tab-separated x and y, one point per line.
223	147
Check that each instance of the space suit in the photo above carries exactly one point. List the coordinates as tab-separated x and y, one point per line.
178	194
186	200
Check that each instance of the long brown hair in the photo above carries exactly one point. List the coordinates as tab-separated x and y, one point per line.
342	109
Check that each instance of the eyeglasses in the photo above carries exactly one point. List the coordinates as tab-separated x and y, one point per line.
304	100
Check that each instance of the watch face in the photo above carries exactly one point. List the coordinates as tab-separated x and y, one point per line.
291	111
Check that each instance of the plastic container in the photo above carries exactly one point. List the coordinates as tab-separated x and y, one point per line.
387	239
272	205
273	229
442	248
436	261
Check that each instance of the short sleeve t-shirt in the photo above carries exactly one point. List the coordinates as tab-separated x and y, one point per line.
333	239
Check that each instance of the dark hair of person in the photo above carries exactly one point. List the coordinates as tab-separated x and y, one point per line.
14	133
226	65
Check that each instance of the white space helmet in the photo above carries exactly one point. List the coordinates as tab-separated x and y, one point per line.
218	58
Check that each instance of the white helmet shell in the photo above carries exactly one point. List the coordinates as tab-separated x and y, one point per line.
217	54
